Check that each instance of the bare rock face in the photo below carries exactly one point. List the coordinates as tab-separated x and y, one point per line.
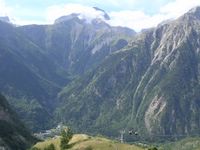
194	12
154	113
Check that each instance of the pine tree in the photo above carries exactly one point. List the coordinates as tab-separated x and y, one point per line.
66	135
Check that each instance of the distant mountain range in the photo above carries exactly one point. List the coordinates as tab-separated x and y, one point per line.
101	79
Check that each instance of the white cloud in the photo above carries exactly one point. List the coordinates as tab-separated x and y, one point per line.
4	9
122	3
108	3
178	7
138	20
135	19
88	13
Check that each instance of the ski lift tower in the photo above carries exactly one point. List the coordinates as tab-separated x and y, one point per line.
122	132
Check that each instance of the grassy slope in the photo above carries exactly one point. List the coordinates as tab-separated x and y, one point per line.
185	144
85	142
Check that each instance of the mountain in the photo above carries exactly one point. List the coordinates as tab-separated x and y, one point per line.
5	19
75	44
28	78
37	61
13	134
103	79
152	85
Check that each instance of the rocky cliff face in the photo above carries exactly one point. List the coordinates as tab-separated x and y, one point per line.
170	86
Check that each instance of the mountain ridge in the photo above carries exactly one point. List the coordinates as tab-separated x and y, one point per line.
156	74
39	60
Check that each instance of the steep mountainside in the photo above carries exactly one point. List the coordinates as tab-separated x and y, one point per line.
184	144
76	44
152	85
28	78
13	134
37	61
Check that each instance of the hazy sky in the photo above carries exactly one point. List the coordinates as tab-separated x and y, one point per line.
136	14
